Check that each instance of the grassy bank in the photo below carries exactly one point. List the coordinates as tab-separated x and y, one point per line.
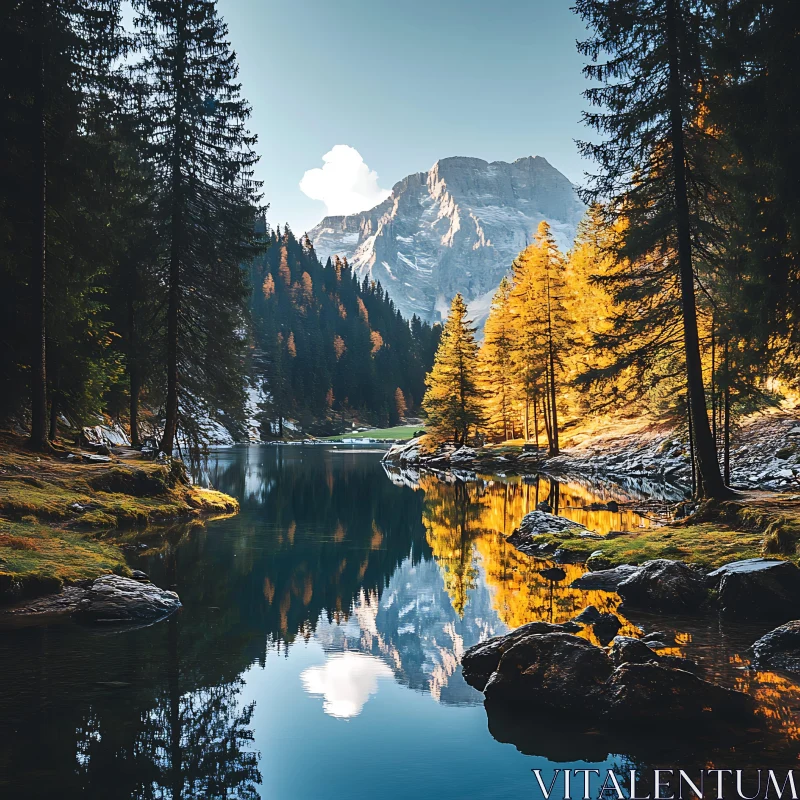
400	432
59	518
758	525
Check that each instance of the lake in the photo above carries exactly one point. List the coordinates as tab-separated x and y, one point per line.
317	651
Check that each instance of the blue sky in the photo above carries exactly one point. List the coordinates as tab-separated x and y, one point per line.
404	83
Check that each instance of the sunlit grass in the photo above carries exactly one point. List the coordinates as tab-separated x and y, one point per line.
403	432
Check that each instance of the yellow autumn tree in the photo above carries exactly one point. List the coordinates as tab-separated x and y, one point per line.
540	325
495	358
400	403
452	401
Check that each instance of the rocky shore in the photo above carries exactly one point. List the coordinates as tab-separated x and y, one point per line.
765	455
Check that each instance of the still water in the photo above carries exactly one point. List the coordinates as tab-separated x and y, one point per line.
317	652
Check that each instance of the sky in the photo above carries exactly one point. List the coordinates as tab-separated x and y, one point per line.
350	96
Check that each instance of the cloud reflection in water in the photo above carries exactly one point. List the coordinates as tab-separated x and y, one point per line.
345	681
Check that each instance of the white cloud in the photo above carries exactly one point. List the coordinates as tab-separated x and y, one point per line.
345	681
345	183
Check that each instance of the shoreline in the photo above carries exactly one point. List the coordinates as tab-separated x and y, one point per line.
64	516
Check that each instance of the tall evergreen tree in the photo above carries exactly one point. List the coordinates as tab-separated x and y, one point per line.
203	155
452	400
650	56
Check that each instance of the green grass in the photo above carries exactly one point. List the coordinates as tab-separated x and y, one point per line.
404	432
708	544
36	559
53	510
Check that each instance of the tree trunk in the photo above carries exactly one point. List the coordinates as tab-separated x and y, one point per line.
727	419
527	416
38	439
708	464
714	381
134	372
546	416
176	244
552	368
535	423
691	447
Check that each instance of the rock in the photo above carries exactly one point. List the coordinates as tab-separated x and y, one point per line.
112	598
663	585
606	628
658	636
553	574
598	561
544	506
644	691
138	575
560	672
606	580
588	616
464	455
554	670
780	648
563	555
537	523
481	660
627	650
758	587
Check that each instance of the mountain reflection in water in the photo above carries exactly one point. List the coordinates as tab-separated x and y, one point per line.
324	625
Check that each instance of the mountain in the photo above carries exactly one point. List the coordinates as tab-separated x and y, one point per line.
455	228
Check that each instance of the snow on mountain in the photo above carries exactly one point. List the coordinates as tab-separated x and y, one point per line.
455	228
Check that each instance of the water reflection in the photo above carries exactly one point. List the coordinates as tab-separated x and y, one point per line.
336	594
345	681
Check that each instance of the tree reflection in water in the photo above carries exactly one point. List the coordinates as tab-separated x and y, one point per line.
390	579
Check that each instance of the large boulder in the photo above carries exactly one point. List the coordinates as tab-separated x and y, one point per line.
481	660
780	648
606	580
758	587
112	598
553	670
663	585
655	691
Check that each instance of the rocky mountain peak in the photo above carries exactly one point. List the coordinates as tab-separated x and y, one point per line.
455	228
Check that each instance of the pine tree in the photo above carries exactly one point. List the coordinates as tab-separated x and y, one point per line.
651	171
496	354
452	400
55	64
203	155
535	302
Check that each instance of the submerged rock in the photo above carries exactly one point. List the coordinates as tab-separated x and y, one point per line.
663	585
588	616
112	598
637	691
606	580
780	648
758	587
606	627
